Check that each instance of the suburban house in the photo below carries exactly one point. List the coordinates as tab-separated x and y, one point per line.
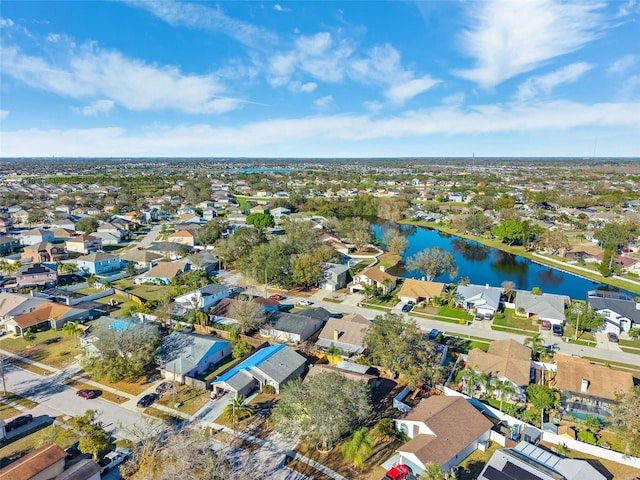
84	469
142	259
280	212
84	244
44	463
184	355
334	243
621	312
62	234
482	299
374	276
43	252
417	291
290	327
29	237
259	209
170	250
8	245
203	261
117	231
268	304
335	276
345	333
49	314
162	273
274	365
67	222
203	298
107	238
586	388
503	360
12	304
36	275
546	307
6	224
527	461
184	237
99	263
442	430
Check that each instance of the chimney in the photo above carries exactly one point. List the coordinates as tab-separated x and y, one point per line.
382	267
585	385
336	334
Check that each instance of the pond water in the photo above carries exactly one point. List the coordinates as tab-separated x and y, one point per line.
486	265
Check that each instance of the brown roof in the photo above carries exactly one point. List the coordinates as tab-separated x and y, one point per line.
47	311
82	238
351	329
455	424
33	463
504	359
374	273
603	382
223	307
420	288
183	233
166	269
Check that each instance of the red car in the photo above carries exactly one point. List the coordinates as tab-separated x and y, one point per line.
399	472
87	394
276	297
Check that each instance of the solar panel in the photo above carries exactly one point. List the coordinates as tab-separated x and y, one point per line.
514	471
491	473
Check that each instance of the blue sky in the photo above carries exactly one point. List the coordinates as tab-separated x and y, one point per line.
320	79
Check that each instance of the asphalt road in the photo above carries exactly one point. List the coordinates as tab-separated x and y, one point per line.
56	399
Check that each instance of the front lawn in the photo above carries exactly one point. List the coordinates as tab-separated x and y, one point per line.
511	320
132	388
191	399
146	292
50	347
445	311
471	466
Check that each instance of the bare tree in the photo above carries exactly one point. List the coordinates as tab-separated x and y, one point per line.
249	314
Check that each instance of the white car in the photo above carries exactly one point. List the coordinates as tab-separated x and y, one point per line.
113	459
306	303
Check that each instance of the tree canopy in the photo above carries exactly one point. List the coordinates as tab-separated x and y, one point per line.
322	408
433	262
627	421
94	438
398	345
584	317
87	225
260	220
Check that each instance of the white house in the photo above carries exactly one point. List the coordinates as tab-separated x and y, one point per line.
203	298
620	311
484	299
31	237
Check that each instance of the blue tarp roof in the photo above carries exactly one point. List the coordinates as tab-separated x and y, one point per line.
254	360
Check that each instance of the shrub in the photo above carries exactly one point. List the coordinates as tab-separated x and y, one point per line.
587	437
270	389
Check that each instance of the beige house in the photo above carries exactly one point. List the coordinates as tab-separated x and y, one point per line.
84	244
345	333
184	237
374	276
418	291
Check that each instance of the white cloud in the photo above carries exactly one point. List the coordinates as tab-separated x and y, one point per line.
299	87
544	84
133	84
507	38
195	15
630	88
455	99
279	8
6	22
277	135
398	94
623	64
93	109
324	103
4	114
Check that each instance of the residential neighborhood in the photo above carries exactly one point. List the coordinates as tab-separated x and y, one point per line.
219	304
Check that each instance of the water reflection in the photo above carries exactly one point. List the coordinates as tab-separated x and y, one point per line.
473	252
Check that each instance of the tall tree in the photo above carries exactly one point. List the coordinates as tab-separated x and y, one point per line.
510	231
359	448
87	225
306	270
249	315
433	262
321	409
394	240
451	297
94	438
433	472
582	316
237	410
627	421
398	345
72	329
29	335
261	220
542	398
212	231
504	388
536	343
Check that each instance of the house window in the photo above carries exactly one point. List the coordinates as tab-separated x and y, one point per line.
404	428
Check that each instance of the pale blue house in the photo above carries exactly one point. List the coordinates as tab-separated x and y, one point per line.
99	263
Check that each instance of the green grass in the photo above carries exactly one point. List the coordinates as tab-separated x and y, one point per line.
389	260
51	347
192	399
512	321
146	292
630	343
446	311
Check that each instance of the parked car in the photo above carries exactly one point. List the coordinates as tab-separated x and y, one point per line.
18	422
434	333
558	331
407	307
276	297
479	317
488	316
73	451
148	399
113	459
545	325
163	388
305	303
612	337
87	394
399	472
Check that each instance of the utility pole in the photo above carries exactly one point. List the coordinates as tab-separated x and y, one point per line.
575	335
4	385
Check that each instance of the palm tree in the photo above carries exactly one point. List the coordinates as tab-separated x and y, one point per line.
334	351
504	388
72	328
432	472
537	345
471	378
237	410
451	296
359	448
